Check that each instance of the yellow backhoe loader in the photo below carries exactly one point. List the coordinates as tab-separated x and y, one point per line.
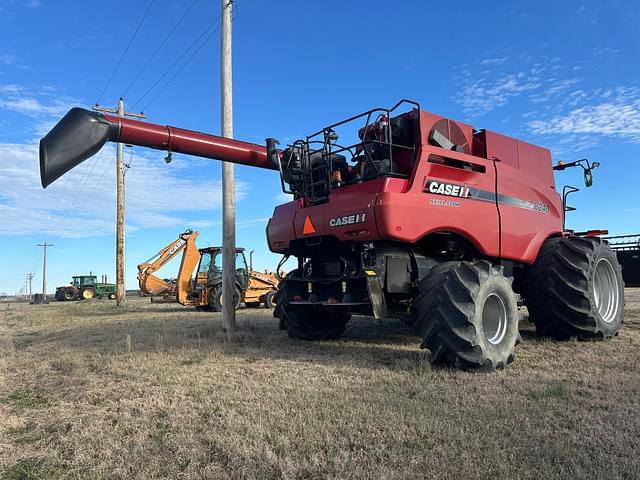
205	289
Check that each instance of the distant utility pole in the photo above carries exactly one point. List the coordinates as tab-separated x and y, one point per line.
120	288
228	186
29	278
44	270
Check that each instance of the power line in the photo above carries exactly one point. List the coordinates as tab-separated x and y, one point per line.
126	90
125	51
181	68
177	60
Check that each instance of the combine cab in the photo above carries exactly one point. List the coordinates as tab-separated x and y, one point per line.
86	287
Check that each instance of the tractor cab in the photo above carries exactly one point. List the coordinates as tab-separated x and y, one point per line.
80	281
210	267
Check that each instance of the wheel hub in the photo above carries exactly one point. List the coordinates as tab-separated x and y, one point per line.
605	290
494	319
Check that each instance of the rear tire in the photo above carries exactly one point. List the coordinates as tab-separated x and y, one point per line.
215	298
69	295
467	314
269	299
575	289
306	324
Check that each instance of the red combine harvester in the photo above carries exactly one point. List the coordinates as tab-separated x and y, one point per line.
402	213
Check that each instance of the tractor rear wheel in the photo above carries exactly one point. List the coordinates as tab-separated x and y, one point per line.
88	293
575	289
215	298
467	315
69	294
306	324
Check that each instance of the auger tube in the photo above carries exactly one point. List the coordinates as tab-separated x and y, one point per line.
81	133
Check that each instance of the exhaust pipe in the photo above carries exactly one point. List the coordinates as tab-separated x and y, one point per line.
82	133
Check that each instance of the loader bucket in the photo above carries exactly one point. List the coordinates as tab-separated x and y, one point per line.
78	136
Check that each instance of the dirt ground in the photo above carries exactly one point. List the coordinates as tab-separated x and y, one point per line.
153	391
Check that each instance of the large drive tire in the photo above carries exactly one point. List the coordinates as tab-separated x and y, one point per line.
467	315
575	289
87	293
215	298
69	295
307	324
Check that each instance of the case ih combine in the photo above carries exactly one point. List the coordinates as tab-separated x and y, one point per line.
402	213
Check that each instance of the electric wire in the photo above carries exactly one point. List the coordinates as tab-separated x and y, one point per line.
177	60
124	54
181	56
195	52
166	38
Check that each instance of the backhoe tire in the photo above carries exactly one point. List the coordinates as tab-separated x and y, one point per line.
467	315
575	289
88	293
306	324
215	298
269	299
252	304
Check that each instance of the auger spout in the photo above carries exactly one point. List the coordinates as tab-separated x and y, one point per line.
81	133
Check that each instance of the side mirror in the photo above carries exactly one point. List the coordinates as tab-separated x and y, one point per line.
588	178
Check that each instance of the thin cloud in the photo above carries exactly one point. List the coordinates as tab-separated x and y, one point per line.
78	204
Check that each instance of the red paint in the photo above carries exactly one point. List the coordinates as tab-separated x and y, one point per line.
400	209
190	142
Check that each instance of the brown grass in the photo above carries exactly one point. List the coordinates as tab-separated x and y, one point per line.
87	391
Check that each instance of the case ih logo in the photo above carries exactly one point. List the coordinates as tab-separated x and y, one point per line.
449	189
348	220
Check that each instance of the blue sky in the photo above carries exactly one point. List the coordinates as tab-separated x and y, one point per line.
559	74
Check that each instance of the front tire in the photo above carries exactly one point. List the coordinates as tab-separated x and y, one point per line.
306	324
467	314
69	295
88	293
575	289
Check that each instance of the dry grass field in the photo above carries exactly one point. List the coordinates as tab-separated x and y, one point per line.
87	391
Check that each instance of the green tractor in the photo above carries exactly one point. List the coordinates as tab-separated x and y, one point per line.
86	287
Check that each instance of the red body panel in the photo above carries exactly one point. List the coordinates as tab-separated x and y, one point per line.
511	223
190	142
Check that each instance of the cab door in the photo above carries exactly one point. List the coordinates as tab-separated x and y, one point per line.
242	272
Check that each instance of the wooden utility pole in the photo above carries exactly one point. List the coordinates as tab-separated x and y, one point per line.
228	186
120	287
44	270
29	278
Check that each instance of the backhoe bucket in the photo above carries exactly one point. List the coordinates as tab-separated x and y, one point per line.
78	136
